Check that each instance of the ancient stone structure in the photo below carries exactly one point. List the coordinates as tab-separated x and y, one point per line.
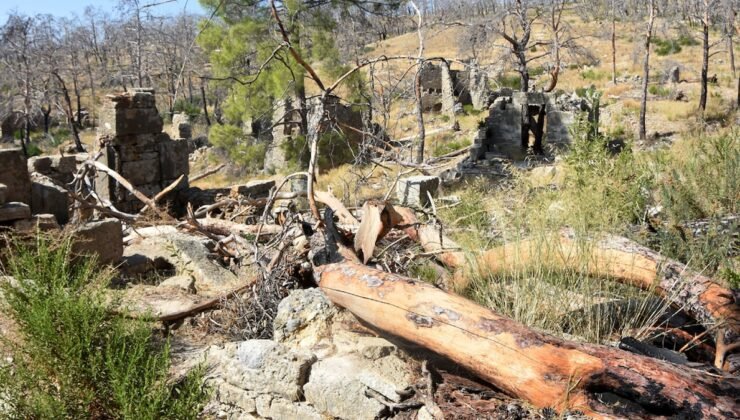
443	87
181	127
415	191
520	120
135	146
287	126
14	174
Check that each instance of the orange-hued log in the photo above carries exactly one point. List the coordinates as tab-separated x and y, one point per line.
543	370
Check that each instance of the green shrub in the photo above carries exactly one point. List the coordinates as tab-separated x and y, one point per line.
448	146
659	91
79	359
470	110
444	118
243	150
666	46
512	81
334	150
191	109
593	75
32	149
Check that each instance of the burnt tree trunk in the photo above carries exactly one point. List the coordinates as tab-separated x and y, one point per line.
543	370
205	102
69	112
646	72
704	61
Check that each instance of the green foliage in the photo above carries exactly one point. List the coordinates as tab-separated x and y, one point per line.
243	150
334	150
470	110
594	75
78	359
513	81
192	110
672	46
33	149
659	91
448	145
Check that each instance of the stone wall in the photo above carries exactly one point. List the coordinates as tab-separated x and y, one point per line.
338	116
509	117
134	145
443	87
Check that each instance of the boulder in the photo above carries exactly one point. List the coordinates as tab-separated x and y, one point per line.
14	174
42	222
14	211
47	197
102	239
334	389
262	367
412	191
304	318
254	189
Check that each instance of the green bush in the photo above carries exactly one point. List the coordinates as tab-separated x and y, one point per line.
594	75
79	359
32	149
659	91
470	110
334	150
512	81
666	46
191	109
243	150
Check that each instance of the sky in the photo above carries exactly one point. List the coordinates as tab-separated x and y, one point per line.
66	8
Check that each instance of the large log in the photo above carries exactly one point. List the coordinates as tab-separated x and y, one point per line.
543	370
626	261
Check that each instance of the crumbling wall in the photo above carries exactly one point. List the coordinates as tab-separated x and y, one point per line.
339	117
133	144
511	119
443	87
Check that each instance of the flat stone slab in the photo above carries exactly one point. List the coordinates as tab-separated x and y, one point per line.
103	239
412	191
14	211
42	222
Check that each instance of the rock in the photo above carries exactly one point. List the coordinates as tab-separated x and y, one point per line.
3	193
14	174
173	160
47	197
181	127
186	283
262	366
14	211
277	408
458	108
674	75
253	189
304	318
412	191
334	389
103	239
41	222
187	254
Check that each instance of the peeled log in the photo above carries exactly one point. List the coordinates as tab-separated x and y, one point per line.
543	370
628	262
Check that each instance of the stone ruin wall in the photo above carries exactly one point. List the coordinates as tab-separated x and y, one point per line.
133	144
288	125
501	135
443	88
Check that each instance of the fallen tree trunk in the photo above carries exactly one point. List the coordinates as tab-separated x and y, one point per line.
628	262
545	371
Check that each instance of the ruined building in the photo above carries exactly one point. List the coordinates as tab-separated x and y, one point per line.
287	128
520	120
442	88
134	145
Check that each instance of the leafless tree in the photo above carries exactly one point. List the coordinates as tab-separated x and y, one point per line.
646	69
